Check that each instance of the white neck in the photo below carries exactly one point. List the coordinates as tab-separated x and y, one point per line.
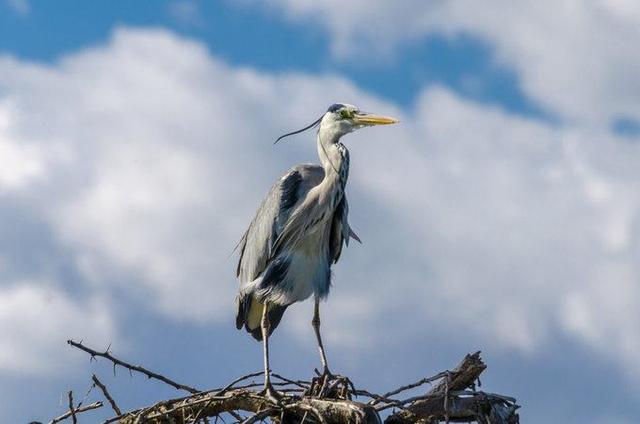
334	158
329	154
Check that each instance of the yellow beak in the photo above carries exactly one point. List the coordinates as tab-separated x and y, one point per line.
367	119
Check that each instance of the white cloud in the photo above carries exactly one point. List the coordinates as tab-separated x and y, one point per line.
186	12
21	7
576	58
19	163
152	156
516	222
35	322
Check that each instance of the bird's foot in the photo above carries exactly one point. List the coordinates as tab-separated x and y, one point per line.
332	386
270	393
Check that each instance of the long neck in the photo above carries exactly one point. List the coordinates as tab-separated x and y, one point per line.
334	157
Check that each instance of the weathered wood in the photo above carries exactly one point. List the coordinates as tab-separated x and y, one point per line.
461	377
291	409
450	400
336	412
77	410
324	400
482	408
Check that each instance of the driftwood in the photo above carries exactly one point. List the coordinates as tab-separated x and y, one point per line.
453	397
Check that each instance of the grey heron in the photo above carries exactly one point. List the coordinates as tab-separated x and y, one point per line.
298	233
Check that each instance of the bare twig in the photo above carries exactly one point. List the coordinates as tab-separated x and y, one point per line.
106	394
325	400
307	409
79	410
137	368
260	416
463	376
72	410
450	400
238	380
413	385
302	384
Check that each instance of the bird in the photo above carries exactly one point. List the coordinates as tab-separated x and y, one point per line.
297	234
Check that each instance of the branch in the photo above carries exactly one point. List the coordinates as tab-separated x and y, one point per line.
461	407
450	400
137	368
106	394
401	389
78	410
463	376
453	398
72	411
291	408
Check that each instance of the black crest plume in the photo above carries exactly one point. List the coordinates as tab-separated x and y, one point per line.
316	123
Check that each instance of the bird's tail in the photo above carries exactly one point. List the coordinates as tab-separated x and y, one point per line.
249	315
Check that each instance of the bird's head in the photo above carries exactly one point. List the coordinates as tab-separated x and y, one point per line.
343	118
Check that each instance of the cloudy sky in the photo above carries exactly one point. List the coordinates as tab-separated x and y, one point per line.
502	214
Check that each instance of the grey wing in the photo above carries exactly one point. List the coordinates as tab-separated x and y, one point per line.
258	241
340	230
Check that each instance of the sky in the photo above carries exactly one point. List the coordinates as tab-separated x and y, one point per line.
502	214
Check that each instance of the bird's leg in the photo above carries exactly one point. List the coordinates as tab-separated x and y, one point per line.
268	391
326	383
315	322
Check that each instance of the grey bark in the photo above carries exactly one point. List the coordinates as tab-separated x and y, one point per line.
453	399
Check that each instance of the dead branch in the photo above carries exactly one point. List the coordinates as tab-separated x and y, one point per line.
450	400
72	410
463	376
480	407
76	411
150	374
453	398
290	409
106	394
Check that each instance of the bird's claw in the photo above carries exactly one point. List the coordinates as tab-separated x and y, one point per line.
271	394
329	385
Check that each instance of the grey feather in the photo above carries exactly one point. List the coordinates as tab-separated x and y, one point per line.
295	236
339	230
257	243
274	314
298	233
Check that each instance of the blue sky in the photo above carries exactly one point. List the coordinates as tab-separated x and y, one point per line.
502	215
246	35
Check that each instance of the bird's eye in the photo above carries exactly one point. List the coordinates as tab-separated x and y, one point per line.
346	114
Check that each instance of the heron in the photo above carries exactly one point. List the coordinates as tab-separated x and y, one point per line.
298	233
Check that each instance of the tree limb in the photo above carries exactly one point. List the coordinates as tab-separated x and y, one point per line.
106	394
137	368
453	398
78	410
72	410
